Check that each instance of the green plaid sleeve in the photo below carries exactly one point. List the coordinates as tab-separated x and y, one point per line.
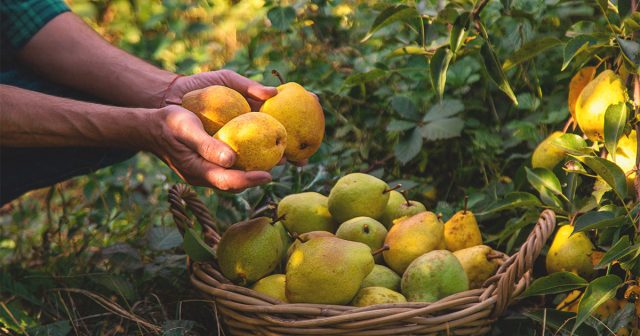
20	20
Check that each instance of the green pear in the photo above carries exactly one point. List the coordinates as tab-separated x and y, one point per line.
461	230
410	238
327	270
398	206
356	195
370	296
272	285
433	276
570	253
304	238
306	212
249	250
478	264
382	276
365	230
594	99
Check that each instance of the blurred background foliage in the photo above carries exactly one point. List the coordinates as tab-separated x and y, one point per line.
110	233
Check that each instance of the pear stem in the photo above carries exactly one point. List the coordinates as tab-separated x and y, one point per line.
277	219
493	255
567	125
466	200
439	215
365	228
404	194
398	186
277	74
296	236
384	247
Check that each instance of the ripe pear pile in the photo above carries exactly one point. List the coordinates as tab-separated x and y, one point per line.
289	124
363	244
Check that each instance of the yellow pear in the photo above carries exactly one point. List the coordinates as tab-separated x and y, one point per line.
626	156
258	139
272	285
570	253
410	238
461	230
249	250
370	296
327	270
303	238
604	90
548	154
215	106
301	114
478	264
399	206
578	82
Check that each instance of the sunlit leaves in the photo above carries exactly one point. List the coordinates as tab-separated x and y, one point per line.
614	121
598	292
555	283
495	72
438	66
389	16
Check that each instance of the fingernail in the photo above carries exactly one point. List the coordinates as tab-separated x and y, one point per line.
226	158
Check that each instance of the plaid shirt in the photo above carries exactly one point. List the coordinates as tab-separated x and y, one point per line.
20	20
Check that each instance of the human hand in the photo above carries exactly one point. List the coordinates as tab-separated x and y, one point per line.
177	137
254	92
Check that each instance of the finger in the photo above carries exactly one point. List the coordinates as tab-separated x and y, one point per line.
282	161
235	180
191	133
246	86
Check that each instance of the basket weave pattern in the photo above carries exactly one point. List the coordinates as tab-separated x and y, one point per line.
247	312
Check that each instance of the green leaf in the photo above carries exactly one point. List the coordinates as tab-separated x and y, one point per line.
444	109
281	18
513	200
58	328
389	16
614	121
459	32
630	50
361	78
405	107
163	238
116	284
575	46
608	171
438	67
396	125
196	248
442	129
624	9
620	249
495	72
572	144
560	320
530	50
598	292
597	220
543	178
558	282
410	50
408	147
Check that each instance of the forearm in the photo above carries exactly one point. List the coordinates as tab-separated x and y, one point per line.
31	119
69	52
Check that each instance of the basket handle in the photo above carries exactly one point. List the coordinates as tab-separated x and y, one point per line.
181	198
515	268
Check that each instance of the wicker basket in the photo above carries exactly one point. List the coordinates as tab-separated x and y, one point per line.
247	312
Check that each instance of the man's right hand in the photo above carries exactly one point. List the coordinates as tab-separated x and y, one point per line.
176	135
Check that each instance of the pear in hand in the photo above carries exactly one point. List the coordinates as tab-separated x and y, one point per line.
461	230
399	206
272	285
301	114
306	212
410	238
258	139
478	263
370	296
365	230
570	253
249	250
432	276
382	276
215	106
327	270
356	195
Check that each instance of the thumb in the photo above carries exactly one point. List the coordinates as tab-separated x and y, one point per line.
261	92
192	134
